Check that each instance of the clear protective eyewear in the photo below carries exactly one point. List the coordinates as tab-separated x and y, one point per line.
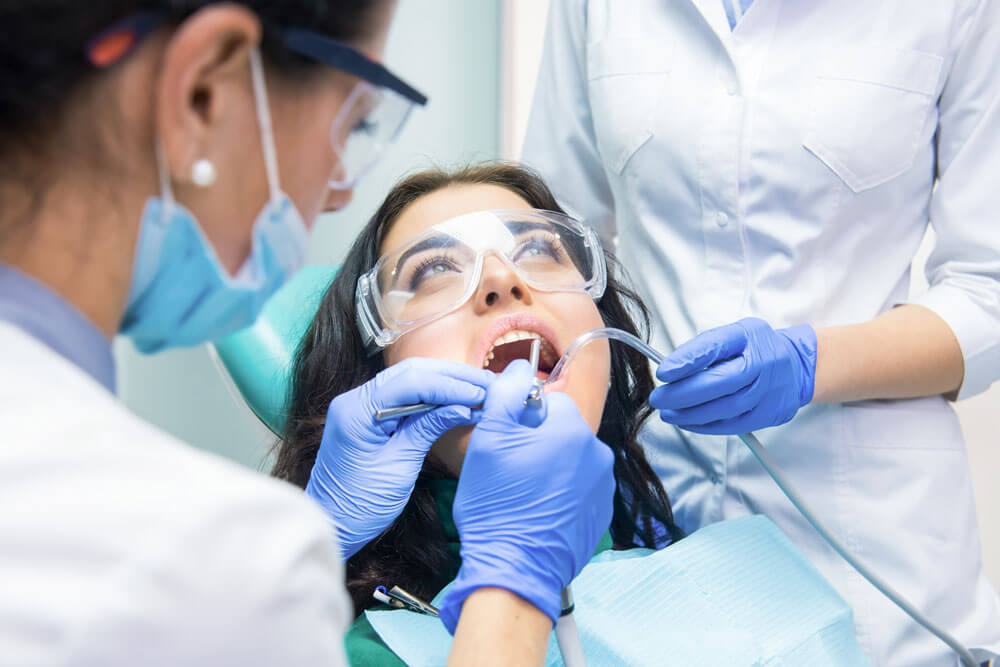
368	122
373	114
438	271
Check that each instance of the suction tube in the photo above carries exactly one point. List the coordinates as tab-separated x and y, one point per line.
767	462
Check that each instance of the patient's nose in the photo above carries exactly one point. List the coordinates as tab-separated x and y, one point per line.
499	286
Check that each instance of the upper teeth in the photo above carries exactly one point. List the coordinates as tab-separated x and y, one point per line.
546	354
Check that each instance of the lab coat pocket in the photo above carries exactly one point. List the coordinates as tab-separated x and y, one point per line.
927	423
871	108
624	80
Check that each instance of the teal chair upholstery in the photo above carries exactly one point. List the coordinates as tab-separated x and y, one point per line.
259	358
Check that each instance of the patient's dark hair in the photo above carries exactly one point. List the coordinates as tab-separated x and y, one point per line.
412	552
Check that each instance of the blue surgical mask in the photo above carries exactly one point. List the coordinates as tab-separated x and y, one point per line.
181	295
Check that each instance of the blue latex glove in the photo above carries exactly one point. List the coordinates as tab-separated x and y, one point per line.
531	503
365	470
737	378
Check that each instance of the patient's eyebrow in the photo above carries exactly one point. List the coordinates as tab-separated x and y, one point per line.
436	241
522	226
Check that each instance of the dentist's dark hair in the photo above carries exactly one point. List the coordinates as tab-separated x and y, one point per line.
51	110
412	552
43	62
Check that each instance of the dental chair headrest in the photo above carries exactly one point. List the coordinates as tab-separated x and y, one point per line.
259	359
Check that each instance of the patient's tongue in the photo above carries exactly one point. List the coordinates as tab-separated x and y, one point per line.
508	352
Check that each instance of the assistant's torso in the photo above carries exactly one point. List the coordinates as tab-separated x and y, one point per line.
786	170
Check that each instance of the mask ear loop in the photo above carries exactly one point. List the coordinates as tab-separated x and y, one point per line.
264	120
162	173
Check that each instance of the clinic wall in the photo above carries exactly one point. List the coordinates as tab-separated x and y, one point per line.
449	49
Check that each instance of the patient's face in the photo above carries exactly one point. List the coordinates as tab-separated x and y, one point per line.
502	307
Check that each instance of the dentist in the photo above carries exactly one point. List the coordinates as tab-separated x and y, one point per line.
160	165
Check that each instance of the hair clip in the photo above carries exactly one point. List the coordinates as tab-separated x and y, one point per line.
114	43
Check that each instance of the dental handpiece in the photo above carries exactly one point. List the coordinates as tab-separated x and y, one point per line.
534	406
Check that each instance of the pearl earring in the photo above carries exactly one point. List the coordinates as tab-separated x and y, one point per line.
203	173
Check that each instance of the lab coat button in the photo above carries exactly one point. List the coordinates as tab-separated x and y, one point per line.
721	219
732	89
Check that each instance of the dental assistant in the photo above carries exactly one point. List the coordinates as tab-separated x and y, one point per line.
769	169
160	165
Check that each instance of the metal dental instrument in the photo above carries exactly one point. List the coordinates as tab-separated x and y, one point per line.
534	400
767	462
535	395
400	599
534	405
404	411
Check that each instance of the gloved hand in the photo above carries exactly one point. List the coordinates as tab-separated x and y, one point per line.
531	503
737	378
365	470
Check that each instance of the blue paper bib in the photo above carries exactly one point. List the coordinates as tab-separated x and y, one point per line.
733	593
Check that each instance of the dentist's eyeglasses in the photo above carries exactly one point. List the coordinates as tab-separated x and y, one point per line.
373	114
368	122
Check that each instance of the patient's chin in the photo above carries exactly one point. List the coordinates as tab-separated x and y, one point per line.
449	450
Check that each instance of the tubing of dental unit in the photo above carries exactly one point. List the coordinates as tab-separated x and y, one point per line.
767	462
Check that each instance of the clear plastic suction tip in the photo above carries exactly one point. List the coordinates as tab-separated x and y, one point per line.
597	334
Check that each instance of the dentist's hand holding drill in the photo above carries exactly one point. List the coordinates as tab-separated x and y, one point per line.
532	502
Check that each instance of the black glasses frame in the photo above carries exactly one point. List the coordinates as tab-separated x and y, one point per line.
305	42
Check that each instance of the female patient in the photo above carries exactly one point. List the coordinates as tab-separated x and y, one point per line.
472	266
494	326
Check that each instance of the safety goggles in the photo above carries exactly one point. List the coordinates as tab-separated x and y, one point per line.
438	271
370	119
373	114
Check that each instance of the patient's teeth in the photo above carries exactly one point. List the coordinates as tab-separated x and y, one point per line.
548	353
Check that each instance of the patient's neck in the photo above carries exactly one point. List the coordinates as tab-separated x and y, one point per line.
449	450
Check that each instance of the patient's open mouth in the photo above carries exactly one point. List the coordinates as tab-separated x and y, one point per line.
516	344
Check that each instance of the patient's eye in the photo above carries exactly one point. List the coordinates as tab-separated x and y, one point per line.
431	269
543	247
364	126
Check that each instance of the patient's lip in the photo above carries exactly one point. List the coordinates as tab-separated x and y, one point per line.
559	385
516	321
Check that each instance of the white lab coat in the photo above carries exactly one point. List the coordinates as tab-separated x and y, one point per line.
122	546
785	170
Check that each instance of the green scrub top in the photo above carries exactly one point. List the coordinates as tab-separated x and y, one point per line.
362	643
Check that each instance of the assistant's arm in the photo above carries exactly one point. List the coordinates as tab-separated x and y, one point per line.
907	352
